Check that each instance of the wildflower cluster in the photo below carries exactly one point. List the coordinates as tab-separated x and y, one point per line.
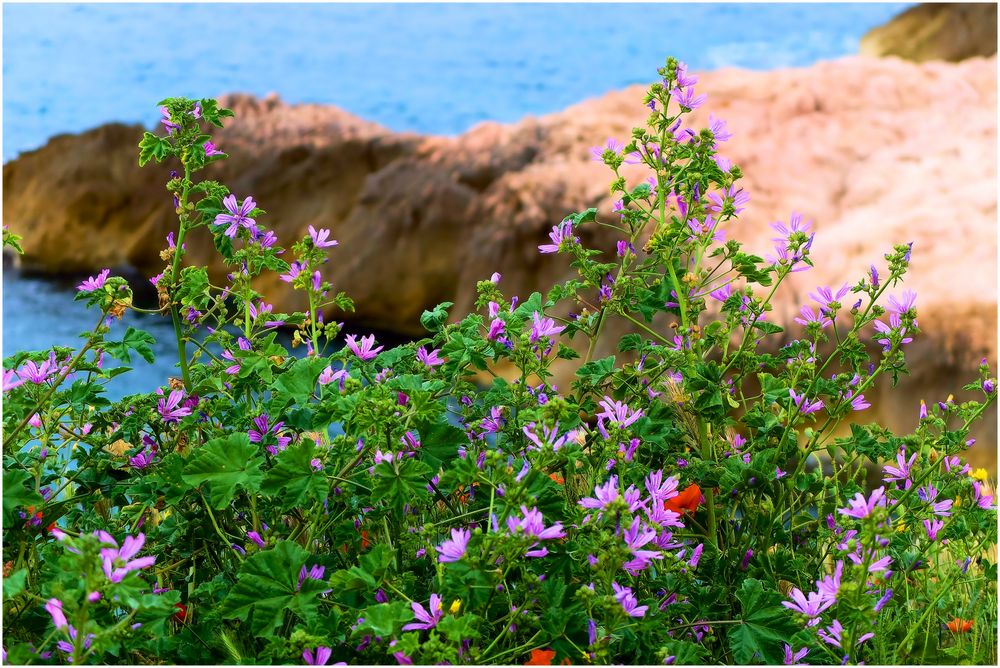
700	496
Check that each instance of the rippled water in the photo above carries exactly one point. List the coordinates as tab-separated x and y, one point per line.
427	68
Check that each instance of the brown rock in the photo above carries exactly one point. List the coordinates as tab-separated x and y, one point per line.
871	150
936	31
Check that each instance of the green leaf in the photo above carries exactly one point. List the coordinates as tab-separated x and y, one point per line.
386	619
294	474
268	584
225	464
434	320
593	373
152	147
135	339
14	583
402	485
766	625
16	494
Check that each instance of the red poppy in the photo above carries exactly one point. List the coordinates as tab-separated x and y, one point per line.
686	501
182	612
958	625
543	657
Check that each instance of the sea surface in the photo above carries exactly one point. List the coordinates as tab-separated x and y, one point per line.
428	68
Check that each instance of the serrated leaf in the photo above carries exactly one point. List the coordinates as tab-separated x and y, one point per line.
293	480
223	464
766	625
16	494
268	584
134	339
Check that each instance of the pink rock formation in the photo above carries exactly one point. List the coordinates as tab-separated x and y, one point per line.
875	152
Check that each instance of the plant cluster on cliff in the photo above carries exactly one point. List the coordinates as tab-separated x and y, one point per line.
684	501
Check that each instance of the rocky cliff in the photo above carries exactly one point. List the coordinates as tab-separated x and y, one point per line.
936	31
874	151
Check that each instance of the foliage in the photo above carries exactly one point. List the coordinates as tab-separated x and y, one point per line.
691	499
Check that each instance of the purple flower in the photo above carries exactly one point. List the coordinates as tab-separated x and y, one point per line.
696	555
54	608
314	573
627	600
429	358
560	233
861	507
294	269
882	601
256	538
809	316
598	152
811	606
94	282
428	620
143	459
687	99
454	548
544	327
118	562
719	129
906	302
320	658
792	659
825	296
365	352
329	375
737	197
167	123
11	380
238	215
858	403
616	412
211	150
603	495
981	499
828	587
804	405
532	524
901	472
168	407
637	536
319	238
929	494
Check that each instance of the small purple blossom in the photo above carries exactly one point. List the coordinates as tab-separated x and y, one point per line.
454	548
169	409
427	620
238	215
94	282
560	233
431	358
365	352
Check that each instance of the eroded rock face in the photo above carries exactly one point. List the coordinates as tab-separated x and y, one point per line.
871	150
936	31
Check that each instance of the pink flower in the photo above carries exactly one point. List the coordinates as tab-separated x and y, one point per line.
94	282
319	238
365	351
428	620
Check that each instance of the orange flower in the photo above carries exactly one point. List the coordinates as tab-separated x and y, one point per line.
365	542
543	657
958	625
686	501
557	478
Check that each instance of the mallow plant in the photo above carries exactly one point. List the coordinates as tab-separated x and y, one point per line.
695	498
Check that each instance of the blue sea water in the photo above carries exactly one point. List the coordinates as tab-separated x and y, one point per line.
426	68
